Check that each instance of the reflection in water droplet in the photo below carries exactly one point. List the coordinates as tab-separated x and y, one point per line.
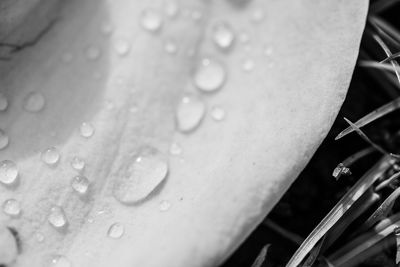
34	102
140	178
60	261
57	217
39	237
122	47
78	163
3	140
92	52
11	207
116	230
170	47
87	130
189	113
175	149
218	113
80	184
151	20
50	156
165	205
209	76
8	172
223	35
171	8
248	65
3	102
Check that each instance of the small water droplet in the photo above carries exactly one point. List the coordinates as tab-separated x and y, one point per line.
196	15
90	220
39	237
171	8
189	113
165	205
34	102
78	163
107	28
11	207
80	184
60	261
268	51
87	130
8	172
92	52
50	156
122	47
170	47
57	217
223	35
151	20
66	57
3	140
3	102
218	113
140	178
116	230
248	65
258	15
175	149
209	76
244	37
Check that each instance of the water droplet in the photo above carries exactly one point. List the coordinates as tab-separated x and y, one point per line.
171	8
175	149
8	172
39	237
258	15
218	113
248	65
151	20
60	261
268	51
116	230
3	140
107	28
34	102
122	47
170	47
165	205
209	76
50	156
189	113
11	207
87	130
90	220
92	52
8	247
80	184
223	35
140	178
244	37
3	102
57	217
78	163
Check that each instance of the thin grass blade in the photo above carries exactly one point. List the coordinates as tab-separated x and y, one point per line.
260	260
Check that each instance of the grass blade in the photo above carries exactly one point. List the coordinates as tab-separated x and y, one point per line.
260	260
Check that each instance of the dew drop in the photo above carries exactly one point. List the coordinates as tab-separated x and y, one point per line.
189	113
60	261
165	205
3	102
92	52
267	51
258	15
80	184
175	149
8	172
12	207
50	156
223	35
244	37
116	230
78	163
87	130
170	47
248	65
151	20
57	217
218	113
209	76
122	47
3	140
140	178
107	28
34	102
39	237
171	8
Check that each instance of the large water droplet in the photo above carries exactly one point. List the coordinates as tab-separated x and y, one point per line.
92	52
78	163
50	156
189	113
87	129
116	230
151	20
218	113
175	149
165	205
140	178
122	47
171	8
34	102
80	184
8	172
11	207
60	261
3	140
57	217
3	102
223	35
209	76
